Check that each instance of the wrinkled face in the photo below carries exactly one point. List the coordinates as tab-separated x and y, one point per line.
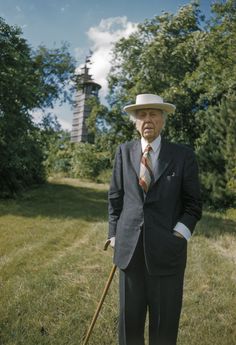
149	123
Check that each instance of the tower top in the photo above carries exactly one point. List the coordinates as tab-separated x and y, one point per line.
84	77
86	87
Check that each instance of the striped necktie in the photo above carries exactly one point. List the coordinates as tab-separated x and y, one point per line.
146	174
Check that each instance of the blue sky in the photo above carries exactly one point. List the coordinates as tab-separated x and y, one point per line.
84	24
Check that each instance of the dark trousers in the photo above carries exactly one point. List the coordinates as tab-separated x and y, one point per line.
140	292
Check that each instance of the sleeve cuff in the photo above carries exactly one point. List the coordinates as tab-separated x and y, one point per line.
183	230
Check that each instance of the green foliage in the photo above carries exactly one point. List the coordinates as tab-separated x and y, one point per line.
109	127
28	80
104	176
191	63
157	59
87	162
190	66
216	149
21	158
77	160
57	153
215	80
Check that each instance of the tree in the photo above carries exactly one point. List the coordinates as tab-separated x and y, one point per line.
217	154
191	63
157	59
28	80
58	152
109	127
215	80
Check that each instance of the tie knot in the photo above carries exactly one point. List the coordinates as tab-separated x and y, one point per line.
148	148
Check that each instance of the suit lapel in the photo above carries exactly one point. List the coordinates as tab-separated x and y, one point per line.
135	155
163	160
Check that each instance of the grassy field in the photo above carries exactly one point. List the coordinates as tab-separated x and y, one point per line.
53	271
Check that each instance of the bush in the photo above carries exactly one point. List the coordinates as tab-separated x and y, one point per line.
104	176
86	162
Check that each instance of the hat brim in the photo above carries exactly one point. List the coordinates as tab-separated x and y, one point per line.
167	107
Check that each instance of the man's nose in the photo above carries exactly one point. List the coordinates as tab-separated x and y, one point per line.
148	117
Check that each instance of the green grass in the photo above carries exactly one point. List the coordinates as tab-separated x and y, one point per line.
53	271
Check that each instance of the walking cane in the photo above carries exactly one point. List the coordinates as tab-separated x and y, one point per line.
113	270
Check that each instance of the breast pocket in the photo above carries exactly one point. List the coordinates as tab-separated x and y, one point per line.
170	184
171	178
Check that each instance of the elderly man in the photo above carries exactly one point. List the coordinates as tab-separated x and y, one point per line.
154	205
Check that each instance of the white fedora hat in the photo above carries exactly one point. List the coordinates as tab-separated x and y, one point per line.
148	100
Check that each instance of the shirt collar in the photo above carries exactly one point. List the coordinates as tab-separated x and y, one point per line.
155	144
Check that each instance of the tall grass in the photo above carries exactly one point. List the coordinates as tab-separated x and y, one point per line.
53	271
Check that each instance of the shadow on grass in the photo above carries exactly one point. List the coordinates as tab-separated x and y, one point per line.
59	201
214	225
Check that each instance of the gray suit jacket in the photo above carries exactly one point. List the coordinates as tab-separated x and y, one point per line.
173	197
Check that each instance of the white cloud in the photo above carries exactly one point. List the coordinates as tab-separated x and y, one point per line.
103	37
60	111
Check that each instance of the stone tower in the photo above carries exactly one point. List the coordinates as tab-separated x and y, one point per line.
86	89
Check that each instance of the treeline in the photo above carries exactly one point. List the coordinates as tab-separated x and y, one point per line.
66	159
191	62
29	79
188	60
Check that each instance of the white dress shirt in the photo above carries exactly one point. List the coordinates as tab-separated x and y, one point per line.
154	154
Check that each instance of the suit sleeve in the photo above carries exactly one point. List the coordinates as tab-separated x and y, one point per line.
191	192
115	194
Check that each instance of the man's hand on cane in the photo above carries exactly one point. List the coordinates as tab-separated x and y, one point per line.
111	241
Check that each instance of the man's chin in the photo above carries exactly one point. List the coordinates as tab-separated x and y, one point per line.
149	137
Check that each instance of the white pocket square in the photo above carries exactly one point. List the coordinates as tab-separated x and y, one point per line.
172	174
